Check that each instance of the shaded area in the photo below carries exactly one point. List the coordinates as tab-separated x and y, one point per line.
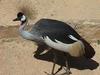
83	63
77	63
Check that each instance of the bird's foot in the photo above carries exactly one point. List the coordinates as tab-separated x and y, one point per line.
68	72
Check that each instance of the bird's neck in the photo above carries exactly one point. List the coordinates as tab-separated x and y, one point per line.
24	33
22	27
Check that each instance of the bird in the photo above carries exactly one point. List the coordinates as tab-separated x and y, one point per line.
56	35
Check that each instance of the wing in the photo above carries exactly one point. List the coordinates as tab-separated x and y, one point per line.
55	30
60	31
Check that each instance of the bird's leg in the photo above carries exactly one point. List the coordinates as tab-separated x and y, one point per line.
55	72
58	70
67	69
54	64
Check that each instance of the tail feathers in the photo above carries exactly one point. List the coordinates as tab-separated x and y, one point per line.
89	50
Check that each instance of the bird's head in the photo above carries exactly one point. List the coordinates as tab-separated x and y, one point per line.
20	17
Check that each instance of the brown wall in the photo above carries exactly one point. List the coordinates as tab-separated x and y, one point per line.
57	9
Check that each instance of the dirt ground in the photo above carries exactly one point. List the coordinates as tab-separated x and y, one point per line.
16	53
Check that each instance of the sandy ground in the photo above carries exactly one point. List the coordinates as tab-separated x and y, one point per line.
16	53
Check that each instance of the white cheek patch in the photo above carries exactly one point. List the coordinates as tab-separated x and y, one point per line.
73	38
23	18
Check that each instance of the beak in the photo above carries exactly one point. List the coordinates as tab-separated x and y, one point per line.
16	19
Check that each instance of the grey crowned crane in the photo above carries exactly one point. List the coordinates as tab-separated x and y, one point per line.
57	35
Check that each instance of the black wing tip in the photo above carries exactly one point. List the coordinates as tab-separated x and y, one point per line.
89	51
89	54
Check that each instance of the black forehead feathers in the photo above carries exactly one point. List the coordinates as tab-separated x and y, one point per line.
20	14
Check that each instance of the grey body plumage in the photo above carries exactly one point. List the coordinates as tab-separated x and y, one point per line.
53	29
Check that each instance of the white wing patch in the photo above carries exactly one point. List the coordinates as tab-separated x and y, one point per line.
73	38
74	49
57	45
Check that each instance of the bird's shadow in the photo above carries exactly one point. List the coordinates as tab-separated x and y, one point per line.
77	63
